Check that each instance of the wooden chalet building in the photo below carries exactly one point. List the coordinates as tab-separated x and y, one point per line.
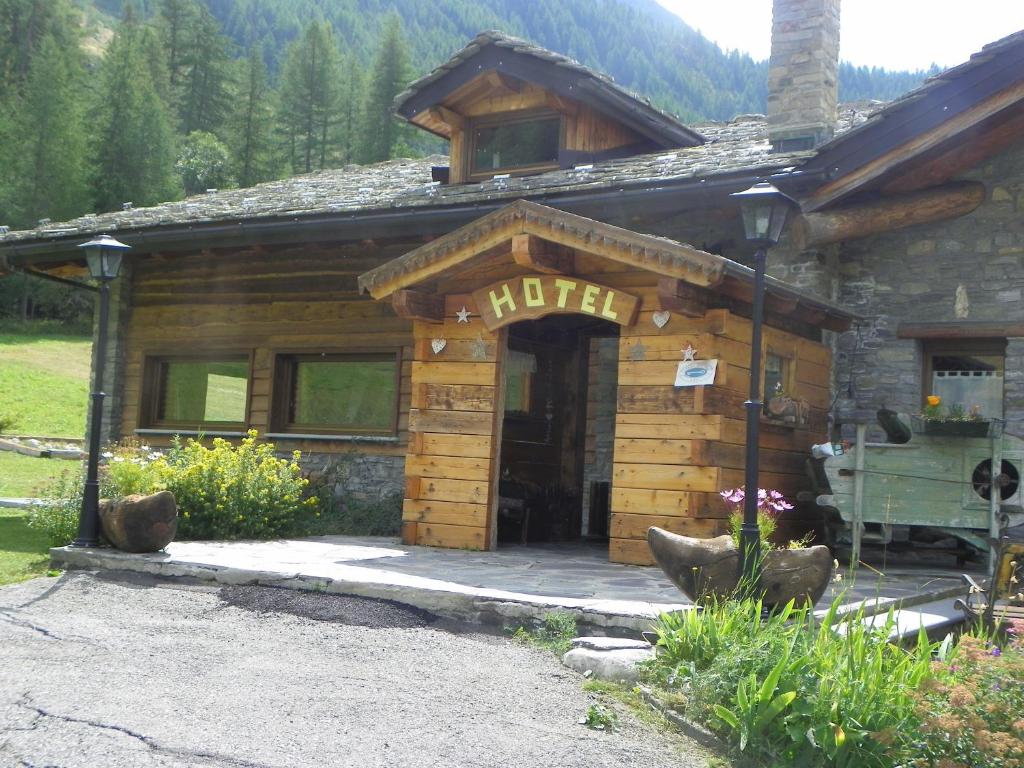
495	336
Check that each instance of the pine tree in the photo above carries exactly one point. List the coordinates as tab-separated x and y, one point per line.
308	104
175	19
251	125
133	141
350	109
23	25
388	77
46	145
205	96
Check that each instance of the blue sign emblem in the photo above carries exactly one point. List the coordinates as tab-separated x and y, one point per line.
696	373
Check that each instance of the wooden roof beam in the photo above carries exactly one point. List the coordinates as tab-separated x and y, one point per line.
449	117
893	159
416	305
540	255
501	80
679	296
812	230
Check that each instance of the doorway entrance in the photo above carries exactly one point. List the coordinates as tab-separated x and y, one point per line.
557	430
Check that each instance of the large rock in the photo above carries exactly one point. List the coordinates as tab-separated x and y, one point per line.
703	567
615	665
140	523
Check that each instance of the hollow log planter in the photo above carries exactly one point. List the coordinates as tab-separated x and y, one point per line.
703	568
140	523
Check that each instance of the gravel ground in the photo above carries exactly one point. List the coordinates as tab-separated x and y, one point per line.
125	670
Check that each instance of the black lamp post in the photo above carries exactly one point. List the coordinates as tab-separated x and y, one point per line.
103	254
764	210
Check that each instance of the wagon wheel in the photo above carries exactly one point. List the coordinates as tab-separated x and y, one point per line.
1008	480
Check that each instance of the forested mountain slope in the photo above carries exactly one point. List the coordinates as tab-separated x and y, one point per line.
639	43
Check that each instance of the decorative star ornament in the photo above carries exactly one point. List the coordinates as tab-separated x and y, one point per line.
478	349
463	314
638	351
689	353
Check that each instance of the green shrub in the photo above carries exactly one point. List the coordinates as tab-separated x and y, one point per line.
554	633
131	468
226	492
56	514
790	690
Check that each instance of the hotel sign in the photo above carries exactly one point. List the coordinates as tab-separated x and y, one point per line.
533	296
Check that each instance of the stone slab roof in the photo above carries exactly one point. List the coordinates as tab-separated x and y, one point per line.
585	79
739	146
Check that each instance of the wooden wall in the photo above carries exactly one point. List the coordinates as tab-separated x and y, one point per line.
261	303
676	448
455	432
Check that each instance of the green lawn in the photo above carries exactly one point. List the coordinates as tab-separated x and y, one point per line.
44	383
23	552
22	476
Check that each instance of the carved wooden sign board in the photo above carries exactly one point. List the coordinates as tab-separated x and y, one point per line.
533	296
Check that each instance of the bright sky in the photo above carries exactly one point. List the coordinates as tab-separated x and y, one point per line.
895	34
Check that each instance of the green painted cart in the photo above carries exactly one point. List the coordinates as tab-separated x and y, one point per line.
942	482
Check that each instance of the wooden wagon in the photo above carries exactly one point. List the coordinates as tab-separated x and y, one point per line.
943	482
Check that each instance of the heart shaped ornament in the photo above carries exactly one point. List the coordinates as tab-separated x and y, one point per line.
661	318
437	345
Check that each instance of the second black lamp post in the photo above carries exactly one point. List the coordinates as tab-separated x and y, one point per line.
764	209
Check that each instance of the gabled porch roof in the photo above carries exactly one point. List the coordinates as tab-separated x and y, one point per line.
658	255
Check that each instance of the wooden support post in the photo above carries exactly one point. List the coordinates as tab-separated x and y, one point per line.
681	297
416	305
858	493
539	255
995	499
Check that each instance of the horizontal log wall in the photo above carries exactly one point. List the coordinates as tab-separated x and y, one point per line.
676	448
455	430
260	303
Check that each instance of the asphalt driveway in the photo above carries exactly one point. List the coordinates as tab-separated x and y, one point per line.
119	670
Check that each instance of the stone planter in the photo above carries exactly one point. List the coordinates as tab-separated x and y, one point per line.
140	523
703	567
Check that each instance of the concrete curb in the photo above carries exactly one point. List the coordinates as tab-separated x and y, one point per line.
697	732
445	599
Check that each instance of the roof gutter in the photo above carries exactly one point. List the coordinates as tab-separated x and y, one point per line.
394	222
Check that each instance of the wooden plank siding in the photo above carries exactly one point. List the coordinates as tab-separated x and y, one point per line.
262	303
676	448
455	425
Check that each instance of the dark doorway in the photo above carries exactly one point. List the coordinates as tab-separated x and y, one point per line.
546	430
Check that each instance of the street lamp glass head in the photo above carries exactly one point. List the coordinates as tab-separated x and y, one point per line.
764	209
103	255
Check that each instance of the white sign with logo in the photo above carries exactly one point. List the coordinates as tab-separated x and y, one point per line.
696	373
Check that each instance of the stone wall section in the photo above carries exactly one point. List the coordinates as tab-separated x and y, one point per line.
969	269
113	373
602	383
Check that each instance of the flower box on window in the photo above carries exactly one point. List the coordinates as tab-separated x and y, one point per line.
956	427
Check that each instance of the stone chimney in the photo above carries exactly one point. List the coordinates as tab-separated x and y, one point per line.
803	73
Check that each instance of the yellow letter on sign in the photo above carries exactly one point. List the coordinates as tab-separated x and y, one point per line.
564	286
533	292
506	299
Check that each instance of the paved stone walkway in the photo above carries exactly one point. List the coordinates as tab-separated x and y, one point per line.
511	583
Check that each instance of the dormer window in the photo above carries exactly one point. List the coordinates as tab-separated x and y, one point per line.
514	143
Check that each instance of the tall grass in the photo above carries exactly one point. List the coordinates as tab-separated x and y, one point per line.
788	689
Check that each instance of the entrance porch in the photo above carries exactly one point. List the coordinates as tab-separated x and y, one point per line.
503	314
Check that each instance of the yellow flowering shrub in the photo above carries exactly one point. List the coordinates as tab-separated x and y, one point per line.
227	492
